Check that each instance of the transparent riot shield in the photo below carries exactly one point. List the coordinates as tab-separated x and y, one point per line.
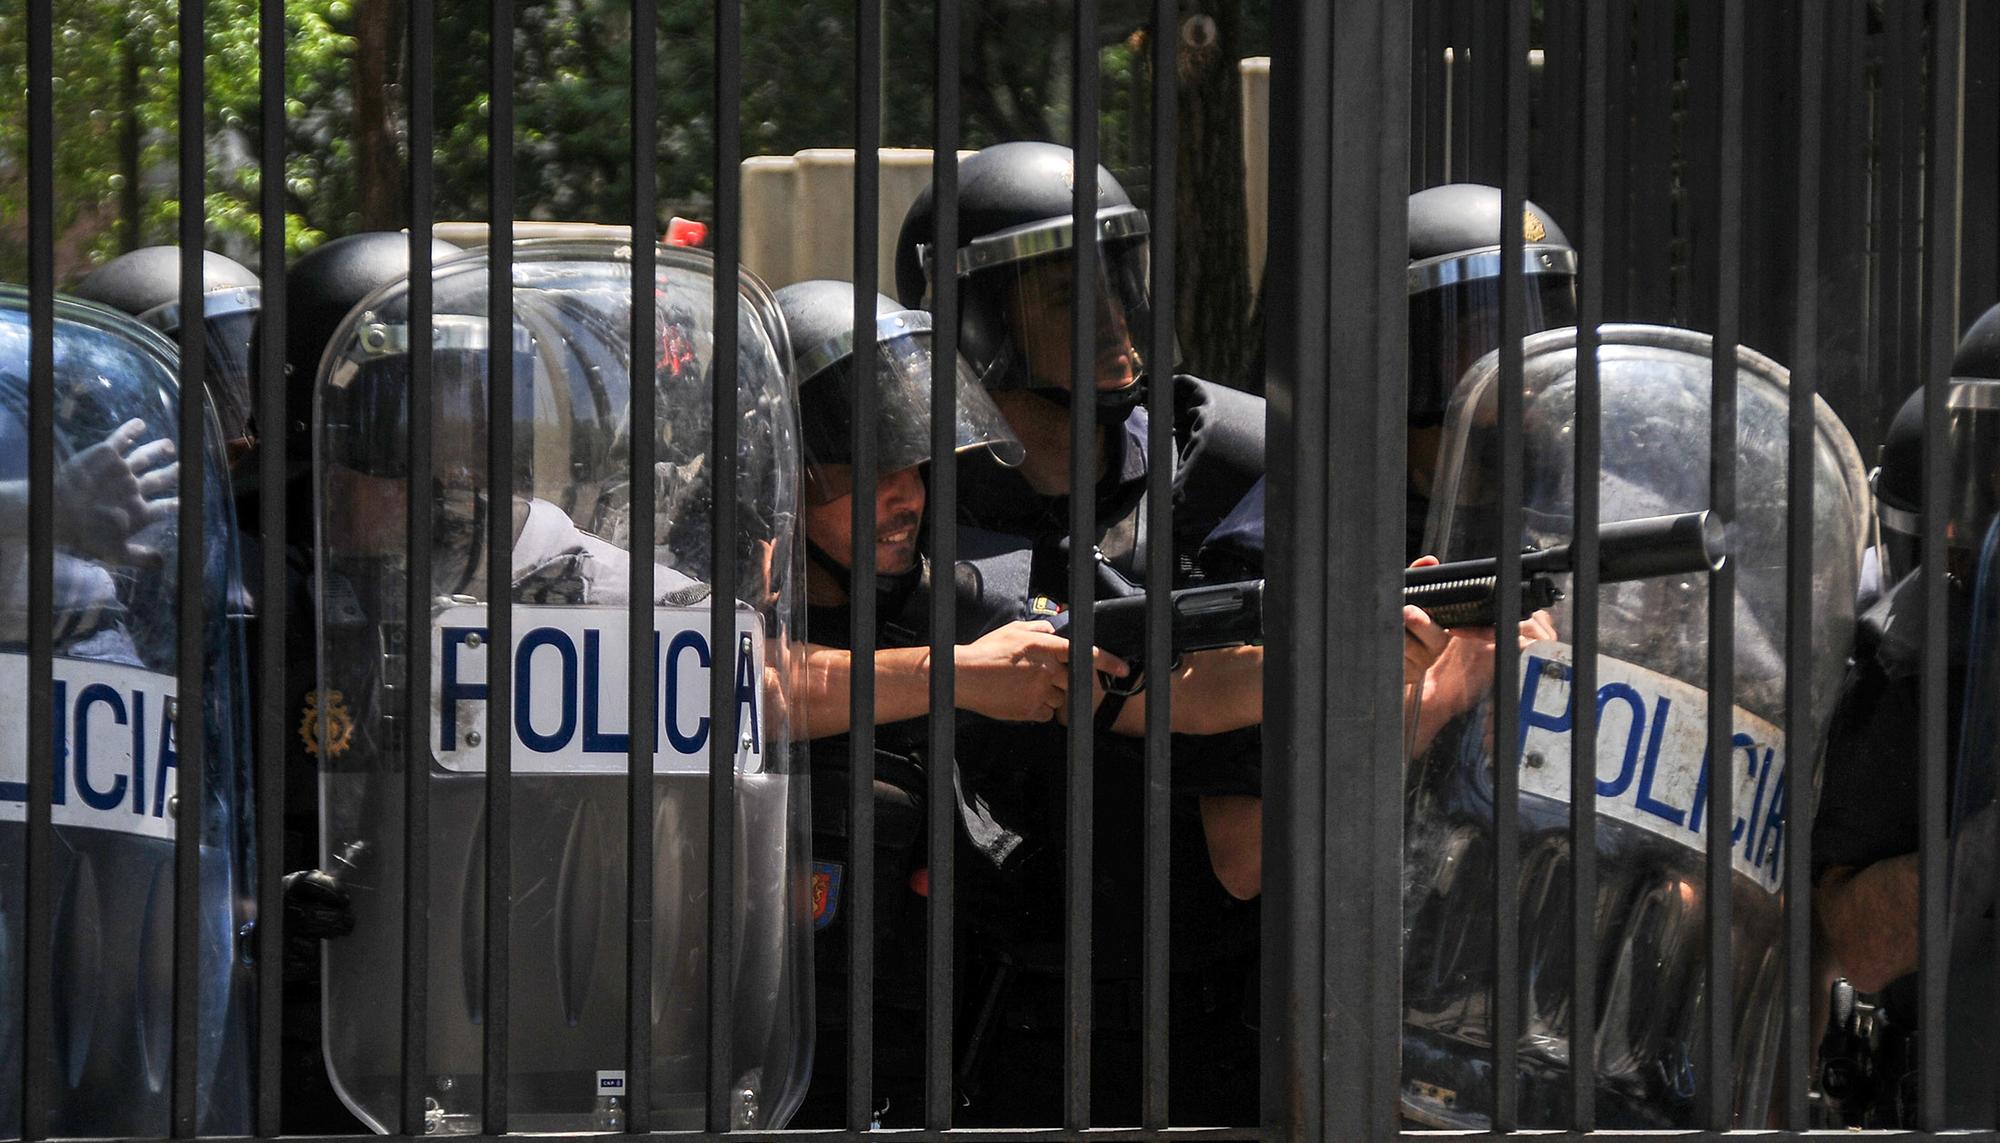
1972	1019
570	598
1653	772
116	724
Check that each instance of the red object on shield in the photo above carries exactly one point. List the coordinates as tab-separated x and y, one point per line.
686	232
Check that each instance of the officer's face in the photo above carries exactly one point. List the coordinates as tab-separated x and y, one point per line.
899	511
1040	304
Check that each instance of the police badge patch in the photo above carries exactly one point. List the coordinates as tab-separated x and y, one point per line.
826	877
334	726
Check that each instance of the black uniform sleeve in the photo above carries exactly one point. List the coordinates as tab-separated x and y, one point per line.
1868	797
1216	764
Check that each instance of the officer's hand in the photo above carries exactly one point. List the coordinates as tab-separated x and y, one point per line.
112	490
1423	640
1020	672
1537	628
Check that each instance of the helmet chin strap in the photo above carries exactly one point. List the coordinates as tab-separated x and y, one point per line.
890	589
1113	406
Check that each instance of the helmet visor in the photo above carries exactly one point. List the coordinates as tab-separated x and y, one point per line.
1455	316
1972	440
902	418
229	322
364	403
1037	298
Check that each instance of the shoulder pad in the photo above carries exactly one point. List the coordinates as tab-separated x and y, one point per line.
1220	432
992	577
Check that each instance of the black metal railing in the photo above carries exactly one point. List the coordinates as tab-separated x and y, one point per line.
1870	207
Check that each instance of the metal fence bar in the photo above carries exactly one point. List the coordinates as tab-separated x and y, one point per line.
642	696
273	613
1159	354
1591	297
1080	804
191	614
1940	337
862	601
1652	233
1801	736
499	563
1331	959
723	404
1615	176
414	1082
1717	1083
1506	1022
1298	301
37	954
943	517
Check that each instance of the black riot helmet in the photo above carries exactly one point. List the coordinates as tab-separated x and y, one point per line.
322	287
1455	286
1014	264
1971	496
819	315
146	283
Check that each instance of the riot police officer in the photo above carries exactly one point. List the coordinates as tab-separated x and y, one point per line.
1010	667
1014	267
146	284
1866	832
568	590
121	735
1454	283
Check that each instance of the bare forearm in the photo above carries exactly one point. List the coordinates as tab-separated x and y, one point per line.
1234	827
1869	917
1213	692
902	687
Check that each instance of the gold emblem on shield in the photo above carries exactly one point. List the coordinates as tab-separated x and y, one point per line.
1532	227
333	726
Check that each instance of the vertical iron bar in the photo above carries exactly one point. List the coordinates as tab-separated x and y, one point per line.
1616	170
37	955
1507	653
1436	158
415	1082
1159	355
1081	804
1299	350
1653	169
862	618
1591	290
724	406
1979	235
1726	260
191	617
1941	285
943	517
1800	718
499	565
1487	80
274	611
642	683
1331	1015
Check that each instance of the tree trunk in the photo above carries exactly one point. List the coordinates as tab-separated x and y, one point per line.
376	165
1213	317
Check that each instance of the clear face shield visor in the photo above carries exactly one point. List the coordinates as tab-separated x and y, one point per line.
1028	275
365	433
229	321
902	407
1971	495
1455	316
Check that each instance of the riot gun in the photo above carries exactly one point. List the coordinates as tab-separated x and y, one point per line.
1461	594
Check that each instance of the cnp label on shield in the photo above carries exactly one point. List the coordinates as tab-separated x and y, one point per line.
1653	769
116	754
569	671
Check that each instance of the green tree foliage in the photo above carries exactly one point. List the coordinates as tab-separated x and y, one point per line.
346	115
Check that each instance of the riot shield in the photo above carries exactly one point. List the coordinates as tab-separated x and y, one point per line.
1972	1086
569	345
116	726
1653	772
